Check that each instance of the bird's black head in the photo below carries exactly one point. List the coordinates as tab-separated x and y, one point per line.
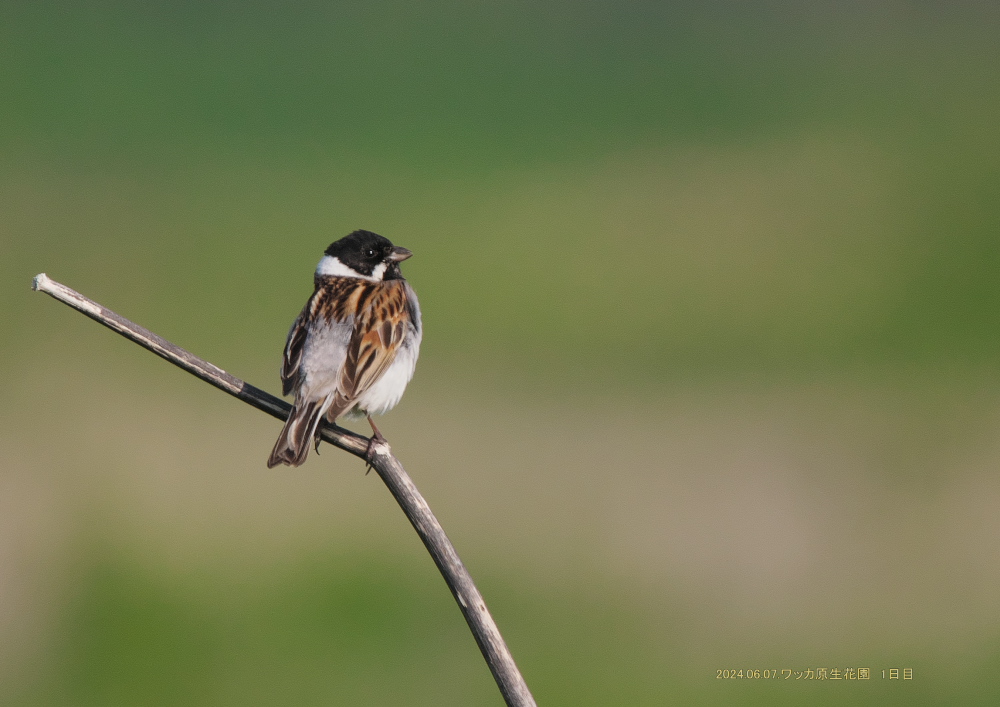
363	254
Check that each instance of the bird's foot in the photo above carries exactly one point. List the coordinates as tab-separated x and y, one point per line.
319	433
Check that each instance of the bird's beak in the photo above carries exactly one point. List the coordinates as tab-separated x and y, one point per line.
398	255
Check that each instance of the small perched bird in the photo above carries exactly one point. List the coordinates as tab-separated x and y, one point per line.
353	348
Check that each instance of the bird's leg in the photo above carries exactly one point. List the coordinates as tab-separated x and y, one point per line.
375	439
378	435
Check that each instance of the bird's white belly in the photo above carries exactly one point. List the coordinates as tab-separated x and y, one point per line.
389	388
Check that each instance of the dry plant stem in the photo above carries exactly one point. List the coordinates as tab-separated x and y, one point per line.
470	601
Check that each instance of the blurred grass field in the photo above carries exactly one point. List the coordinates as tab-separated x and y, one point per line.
709	377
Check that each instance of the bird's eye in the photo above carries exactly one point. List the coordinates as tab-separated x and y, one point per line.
370	253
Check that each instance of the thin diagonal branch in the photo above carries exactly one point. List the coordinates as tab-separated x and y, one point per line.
470	601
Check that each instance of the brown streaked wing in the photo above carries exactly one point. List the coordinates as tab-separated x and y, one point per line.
378	333
292	357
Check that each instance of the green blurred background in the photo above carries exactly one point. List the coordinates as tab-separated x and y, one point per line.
709	378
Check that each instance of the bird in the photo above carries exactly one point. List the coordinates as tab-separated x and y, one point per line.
353	348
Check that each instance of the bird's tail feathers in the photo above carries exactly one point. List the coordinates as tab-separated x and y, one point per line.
297	435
